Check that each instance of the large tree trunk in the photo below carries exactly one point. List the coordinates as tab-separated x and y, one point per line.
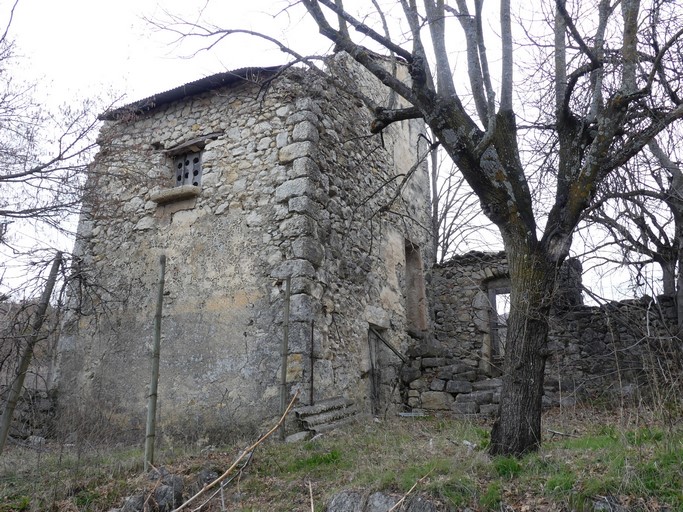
679	293
668	277
518	427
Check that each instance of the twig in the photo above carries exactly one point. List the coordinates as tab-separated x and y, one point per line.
239	459
561	433
399	502
223	485
310	492
156	484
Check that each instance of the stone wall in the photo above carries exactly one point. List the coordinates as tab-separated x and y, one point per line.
291	186
595	353
34	413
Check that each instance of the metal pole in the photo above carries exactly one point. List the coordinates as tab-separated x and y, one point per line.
156	350
285	350
310	396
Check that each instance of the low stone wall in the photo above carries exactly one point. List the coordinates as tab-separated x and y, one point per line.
35	410
620	349
438	380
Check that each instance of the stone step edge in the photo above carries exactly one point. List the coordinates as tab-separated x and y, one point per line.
320	429
311	421
323	406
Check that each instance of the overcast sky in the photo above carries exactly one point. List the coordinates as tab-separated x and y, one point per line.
85	47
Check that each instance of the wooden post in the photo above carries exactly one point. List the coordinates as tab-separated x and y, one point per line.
27	354
156	350
285	350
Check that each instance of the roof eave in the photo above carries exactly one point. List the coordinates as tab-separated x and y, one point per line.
225	79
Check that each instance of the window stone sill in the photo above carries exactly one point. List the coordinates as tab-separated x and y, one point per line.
171	195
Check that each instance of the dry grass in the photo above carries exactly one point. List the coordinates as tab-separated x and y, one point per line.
627	456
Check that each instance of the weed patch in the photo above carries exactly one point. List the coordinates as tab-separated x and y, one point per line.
315	461
625	463
492	497
507	467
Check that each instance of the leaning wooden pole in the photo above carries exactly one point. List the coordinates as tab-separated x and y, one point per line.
156	350
285	351
27	354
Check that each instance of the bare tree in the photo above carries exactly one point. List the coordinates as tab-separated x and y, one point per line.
44	154
457	222
642	212
610	69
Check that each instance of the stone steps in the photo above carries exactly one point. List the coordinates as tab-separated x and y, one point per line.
326	415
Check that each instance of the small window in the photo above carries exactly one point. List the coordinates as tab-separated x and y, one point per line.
501	312
499	298
415	292
188	169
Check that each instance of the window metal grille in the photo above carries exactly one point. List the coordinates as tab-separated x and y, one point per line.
188	169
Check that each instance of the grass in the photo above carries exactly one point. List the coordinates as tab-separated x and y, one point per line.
628	458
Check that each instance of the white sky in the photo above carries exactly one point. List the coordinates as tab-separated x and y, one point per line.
85	47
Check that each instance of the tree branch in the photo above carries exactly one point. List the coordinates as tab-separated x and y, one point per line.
364	29
384	117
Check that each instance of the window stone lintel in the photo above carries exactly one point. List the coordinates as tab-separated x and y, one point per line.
170	195
193	146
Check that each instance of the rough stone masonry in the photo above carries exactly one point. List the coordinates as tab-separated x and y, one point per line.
242	180
247	178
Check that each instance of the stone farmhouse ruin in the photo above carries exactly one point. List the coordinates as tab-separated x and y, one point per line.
242	180
247	178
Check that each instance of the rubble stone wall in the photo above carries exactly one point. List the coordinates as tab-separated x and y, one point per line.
292	186
35	409
615	350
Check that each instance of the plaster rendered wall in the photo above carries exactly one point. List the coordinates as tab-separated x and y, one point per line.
291	186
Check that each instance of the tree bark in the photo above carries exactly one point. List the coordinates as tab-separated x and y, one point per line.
668	277
532	274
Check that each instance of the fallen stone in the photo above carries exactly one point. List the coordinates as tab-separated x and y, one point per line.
380	502
346	501
299	436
